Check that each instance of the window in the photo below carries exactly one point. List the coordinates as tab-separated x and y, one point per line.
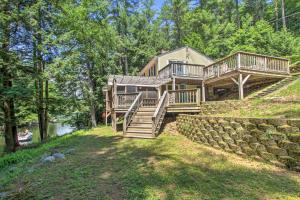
131	89
178	67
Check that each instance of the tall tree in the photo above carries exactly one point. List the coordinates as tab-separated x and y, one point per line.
283	14
238	20
275	2
8	63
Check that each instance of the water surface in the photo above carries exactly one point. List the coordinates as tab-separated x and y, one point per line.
54	129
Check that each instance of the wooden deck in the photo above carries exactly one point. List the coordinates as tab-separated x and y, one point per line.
150	105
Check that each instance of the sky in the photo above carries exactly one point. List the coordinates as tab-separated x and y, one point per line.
158	4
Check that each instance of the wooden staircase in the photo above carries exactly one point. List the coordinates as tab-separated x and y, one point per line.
273	88
141	124
144	119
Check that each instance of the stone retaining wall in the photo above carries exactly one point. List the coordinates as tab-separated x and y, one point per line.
169	125
273	140
219	107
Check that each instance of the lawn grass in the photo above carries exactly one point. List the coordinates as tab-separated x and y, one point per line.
287	105
292	90
107	166
266	109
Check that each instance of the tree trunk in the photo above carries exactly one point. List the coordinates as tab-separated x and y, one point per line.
238	21
46	123
92	89
41	92
93	115
276	15
283	14
10	127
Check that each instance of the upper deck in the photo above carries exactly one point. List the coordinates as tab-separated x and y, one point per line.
240	61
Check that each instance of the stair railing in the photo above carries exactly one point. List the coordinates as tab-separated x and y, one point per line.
132	110
159	112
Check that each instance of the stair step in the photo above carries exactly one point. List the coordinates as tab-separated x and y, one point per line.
138	135
140	126
142	113
147	109
139	130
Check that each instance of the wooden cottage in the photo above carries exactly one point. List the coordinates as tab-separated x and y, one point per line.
178	81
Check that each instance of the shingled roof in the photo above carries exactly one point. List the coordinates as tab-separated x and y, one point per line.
137	80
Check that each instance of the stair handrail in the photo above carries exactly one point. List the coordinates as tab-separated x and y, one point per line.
159	111
132	110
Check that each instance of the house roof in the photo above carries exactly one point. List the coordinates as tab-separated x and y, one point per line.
137	80
153	59
162	54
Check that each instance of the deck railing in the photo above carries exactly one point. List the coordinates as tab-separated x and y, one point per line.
182	70
159	113
186	96
125	100
247	61
132	110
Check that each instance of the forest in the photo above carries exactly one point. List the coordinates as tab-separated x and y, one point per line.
56	55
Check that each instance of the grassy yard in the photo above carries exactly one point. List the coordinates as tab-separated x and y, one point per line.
266	108
287	106
107	166
292	91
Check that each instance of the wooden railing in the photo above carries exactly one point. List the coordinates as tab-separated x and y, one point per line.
159	113
182	70
186	96
221	67
263	63
247	61
150	101
125	100
132	110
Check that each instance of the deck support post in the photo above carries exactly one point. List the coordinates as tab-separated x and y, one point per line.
158	92
241	88
173	84
241	82
198	96
203	91
114	120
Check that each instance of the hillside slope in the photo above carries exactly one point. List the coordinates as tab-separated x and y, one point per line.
284	103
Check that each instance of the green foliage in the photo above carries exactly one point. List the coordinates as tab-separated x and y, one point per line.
34	151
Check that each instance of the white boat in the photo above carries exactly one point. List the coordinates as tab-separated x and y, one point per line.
25	138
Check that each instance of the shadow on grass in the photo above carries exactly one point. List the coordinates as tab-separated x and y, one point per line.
110	167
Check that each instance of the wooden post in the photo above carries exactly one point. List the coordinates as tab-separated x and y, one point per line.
241	88
173	84
115	97
240	82
198	96
114	120
238	60
158	92
203	91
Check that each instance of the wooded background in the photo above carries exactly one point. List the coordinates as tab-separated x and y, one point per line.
56	55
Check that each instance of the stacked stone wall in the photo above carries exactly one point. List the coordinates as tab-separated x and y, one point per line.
273	140
169	125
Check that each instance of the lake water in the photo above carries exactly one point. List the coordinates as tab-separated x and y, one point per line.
54	129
